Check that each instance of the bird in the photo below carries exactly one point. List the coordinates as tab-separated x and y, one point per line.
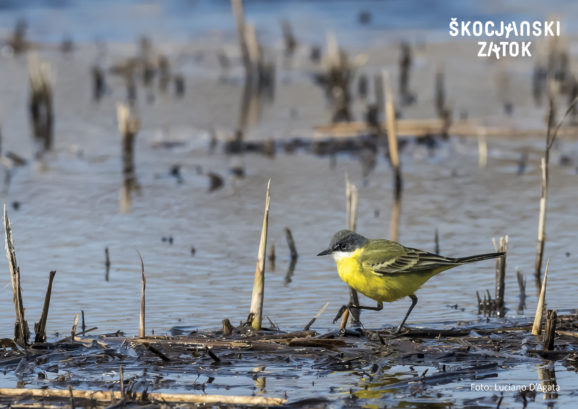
385	270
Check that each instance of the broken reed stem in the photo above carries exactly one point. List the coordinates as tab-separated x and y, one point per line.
98	83
128	125
550	330
259	283
40	101
141	324
253	50
522	287
537	327
288	38
107	396
542	222
392	134
437	242
440	93
40	326
83	323
21	331
550	139
74	326
227	327
106	264
237	6
291	243
501	273
351	200
482	150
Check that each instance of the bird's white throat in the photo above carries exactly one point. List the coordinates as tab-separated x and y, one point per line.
338	255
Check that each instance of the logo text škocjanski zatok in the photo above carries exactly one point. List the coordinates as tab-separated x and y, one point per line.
512	29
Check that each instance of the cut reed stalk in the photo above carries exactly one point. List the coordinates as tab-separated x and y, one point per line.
288	38
98	83
259	282
253	49
40	102
537	327
74	327
522	287
551	135
128	125
291	244
541	222
106	264
21	331
440	94
141	324
550	330
391	125
40	326
227	327
392	133
237	6
482	150
404	71
351	198
500	273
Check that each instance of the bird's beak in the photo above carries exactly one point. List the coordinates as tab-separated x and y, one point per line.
325	252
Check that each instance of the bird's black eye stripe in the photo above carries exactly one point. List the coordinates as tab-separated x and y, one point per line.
342	246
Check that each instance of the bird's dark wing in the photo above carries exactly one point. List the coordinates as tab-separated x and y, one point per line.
388	257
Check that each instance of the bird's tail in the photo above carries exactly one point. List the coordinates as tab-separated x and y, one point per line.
479	257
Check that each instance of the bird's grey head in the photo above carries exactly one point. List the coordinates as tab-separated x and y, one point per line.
343	244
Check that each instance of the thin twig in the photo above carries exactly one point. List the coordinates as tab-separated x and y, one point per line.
310	323
141	325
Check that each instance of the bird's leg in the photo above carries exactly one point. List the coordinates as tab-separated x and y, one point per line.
413	303
350	306
340	313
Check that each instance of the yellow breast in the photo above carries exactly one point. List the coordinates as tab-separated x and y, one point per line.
379	287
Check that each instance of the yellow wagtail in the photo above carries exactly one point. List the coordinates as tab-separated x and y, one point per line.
384	270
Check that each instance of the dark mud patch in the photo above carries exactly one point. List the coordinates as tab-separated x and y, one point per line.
274	364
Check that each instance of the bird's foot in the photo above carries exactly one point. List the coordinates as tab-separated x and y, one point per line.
339	314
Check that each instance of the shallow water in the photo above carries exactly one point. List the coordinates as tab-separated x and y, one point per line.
69	213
